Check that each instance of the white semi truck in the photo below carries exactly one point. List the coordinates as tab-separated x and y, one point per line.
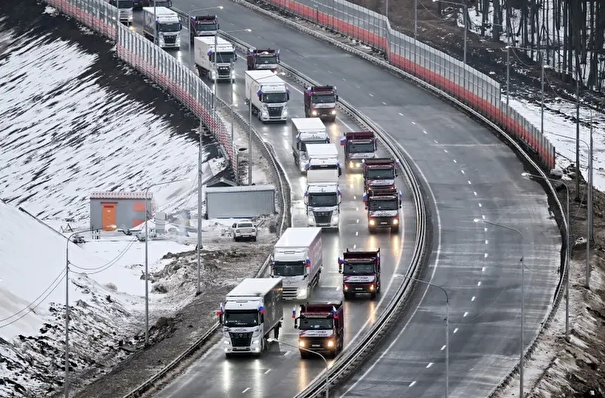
306	131
251	310
205	54
323	195
166	25
269	95
298	260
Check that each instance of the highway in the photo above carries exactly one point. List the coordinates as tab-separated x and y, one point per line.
282	363
471	175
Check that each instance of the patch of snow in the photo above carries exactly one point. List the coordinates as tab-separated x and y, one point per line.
50	10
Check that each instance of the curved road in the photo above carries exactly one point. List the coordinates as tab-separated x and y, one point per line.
282	364
471	175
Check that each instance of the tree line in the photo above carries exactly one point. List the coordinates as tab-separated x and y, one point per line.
569	34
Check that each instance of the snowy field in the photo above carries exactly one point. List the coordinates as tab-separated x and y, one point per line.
64	135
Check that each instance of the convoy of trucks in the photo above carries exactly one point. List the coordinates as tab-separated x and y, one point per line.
251	311
259	59
320	101
298	260
166	25
269	95
306	131
203	25
320	328
205	54
358	145
360	272
379	173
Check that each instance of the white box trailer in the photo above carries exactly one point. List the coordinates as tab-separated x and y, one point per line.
204	49
322	164
251	311
165	23
306	131
298	260
269	95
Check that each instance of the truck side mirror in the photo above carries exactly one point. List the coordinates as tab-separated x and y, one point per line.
218	26
306	200
180	26
295	323
339	199
234	225
288	96
339	171
234	56
336	97
262	318
340	268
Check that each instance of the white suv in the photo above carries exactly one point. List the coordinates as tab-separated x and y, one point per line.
244	230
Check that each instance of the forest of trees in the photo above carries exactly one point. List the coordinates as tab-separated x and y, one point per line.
570	33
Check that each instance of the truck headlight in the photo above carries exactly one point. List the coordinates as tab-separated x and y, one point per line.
213	75
232	73
226	341
333	112
285	112
395	221
302	292
264	114
334	218
178	40
130	17
331	343
301	343
256	341
372	222
314	113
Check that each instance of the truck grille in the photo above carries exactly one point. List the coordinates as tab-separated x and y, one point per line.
274	111
316	343
169	39
224	71
289	292
241	339
323	217
383	221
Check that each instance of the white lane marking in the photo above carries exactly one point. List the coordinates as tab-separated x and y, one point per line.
246	390
465	314
357	209
486	242
424	131
437	258
354	246
354	197
485	255
473	299
462	171
357	233
445	150
400	114
286	353
411	384
480	205
429	365
482	269
456	330
475	193
371	95
469	183
436	142
443	348
414	123
267	371
357	221
351	185
479	283
357	86
344	80
455	161
384	103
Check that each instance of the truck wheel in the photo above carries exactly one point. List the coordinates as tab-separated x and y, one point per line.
304	354
373	295
347	296
395	229
370	230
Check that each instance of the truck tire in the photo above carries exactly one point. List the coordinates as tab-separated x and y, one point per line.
348	296
304	354
395	230
373	296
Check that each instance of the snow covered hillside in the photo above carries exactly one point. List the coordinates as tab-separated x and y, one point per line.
72	122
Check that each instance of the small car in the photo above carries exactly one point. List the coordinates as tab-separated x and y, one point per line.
244	230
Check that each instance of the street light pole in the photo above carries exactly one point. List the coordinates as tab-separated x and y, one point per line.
272	340
522	345
147	253
568	251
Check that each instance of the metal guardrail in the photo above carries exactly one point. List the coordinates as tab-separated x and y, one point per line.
516	146
350	359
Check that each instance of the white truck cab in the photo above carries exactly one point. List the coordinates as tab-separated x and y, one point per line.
306	131
323	205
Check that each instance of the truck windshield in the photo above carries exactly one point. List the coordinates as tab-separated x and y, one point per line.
376	205
162	3
323	199
241	318
361	147
359	269
223	57
170	27
324	167
205	27
380	174
124	4
266	60
245	225
303	145
323	99
289	268
316	324
274	98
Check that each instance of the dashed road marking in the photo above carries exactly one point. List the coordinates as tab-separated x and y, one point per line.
412	384
473	298
482	269
246	390
267	371
384	103
485	255
480	205
414	123
462	171
429	365
357	233
486	241
436	142
371	95
479	283
456	330
443	348
400	114
465	314
469	182
354	246
455	161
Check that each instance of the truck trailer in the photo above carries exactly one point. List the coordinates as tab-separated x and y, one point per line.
320	101
262	59
298	260
358	145
269	95
203	25
251	311
166	25
320	328
205	54
306	131
360	273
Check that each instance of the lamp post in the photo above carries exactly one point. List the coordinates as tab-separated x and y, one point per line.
272	340
568	251
147	253
521	346
465	19
192	34
589	204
